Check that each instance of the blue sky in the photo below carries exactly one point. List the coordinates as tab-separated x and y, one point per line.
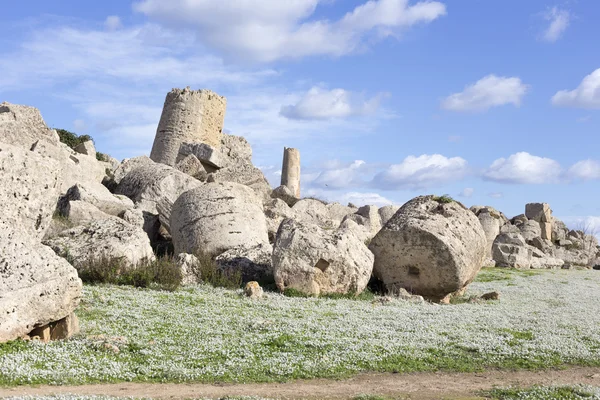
492	102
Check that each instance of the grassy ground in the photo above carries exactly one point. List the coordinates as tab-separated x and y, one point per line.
544	319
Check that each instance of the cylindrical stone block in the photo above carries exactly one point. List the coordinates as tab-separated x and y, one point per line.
194	116
290	172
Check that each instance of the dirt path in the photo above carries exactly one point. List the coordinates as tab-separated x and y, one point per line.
426	386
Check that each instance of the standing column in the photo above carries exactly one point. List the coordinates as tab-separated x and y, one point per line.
290	171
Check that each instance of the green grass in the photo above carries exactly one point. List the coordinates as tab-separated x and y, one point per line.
366	295
492	274
444	199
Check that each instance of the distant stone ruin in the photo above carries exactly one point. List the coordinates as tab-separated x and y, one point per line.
290	173
193	116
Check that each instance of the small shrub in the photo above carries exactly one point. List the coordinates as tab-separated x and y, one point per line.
161	273
444	199
72	139
101	157
207	271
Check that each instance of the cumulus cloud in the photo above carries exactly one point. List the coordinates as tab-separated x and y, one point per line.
320	103
524	168
586	95
421	172
338	175
269	30
467	192
559	22
490	91
113	22
585	170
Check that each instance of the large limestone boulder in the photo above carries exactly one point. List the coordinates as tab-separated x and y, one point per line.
430	248
559	230
111	238
244	174
97	195
155	187
29	191
387	212
217	217
253	263
284	193
22	126
491	222
542	214
327	216
128	165
36	287
530	230
276	211
315	261
510	250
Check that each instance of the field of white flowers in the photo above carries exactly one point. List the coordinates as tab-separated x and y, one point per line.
203	334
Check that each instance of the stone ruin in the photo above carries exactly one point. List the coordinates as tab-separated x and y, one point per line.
200	192
290	171
194	116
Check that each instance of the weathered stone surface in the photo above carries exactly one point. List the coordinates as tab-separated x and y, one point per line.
429	248
276	211
290	171
386	213
110	238
216	217
29	192
253	290
191	166
73	167
97	195
86	148
206	154
36	286
491	222
244	174
80	212
559	230
284	193
315	262
530	230
327	216
371	214
22	126
235	149
188	263
541	213
511	251
155	187
254	263
540	260
188	116
519	220
128	165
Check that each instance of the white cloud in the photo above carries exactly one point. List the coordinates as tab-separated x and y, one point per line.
585	170
490	91
421	172
586	95
496	195
524	168
467	192
337	176
319	103
361	199
268	30
113	22
559	22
